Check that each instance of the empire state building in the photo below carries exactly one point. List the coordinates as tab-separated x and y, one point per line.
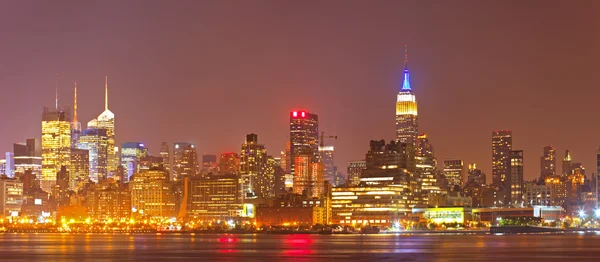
406	111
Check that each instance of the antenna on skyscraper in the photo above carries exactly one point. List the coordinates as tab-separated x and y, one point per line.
75	104
56	90
106	93
405	57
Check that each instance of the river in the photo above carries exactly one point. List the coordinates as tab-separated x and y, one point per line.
154	247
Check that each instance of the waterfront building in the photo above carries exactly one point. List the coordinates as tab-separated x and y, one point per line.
11	197
212	198
108	201
152	194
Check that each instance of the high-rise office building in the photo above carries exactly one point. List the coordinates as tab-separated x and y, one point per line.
151	162
355	169
28	156
330	171
61	189
501	146
56	145
407	124
9	168
453	171
475	175
166	157
304	136
548	163
515	178
106	120
267	181
108	201
79	174
229	163
426	165
309	176
566	164
152	194
185	160
11	197
209	164
253	165
131	154
213	198
95	141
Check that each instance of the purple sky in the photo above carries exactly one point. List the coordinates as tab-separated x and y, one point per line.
210	72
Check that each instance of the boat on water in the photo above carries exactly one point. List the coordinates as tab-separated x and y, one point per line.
370	230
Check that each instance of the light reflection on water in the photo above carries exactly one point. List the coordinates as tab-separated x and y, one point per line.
149	247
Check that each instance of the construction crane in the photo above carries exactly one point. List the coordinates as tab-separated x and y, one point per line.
323	138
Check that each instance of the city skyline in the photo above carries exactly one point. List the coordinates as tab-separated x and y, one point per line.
457	129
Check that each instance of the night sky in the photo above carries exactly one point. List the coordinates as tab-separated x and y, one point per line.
210	72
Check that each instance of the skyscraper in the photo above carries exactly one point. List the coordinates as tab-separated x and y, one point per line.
308	177
166	157
79	174
185	160
566	164
515	178
152	194
330	171
475	175
209	164
253	165
453	170
95	140
28	156
229	163
304	136
407	125
131	154
106	121
548	163
501	146
56	145
426	165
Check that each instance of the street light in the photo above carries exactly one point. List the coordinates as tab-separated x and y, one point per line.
597	213
582	214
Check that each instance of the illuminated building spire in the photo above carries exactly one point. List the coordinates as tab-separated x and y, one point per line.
406	82
56	92
75	104
106	93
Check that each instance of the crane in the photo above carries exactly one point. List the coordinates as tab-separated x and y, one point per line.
322	144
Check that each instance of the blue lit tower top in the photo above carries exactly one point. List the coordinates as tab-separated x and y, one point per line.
406	82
